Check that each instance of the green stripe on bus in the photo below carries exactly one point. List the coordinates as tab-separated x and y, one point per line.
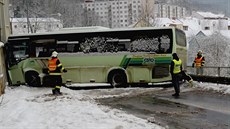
125	62
139	61
164	60
136	61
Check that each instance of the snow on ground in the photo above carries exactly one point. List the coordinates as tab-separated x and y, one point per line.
33	108
221	88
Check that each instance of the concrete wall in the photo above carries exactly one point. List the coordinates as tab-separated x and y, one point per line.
4	33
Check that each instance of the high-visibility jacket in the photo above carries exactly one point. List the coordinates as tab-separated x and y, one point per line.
55	67
177	66
52	64
199	61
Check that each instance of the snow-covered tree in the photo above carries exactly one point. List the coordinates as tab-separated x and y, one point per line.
216	50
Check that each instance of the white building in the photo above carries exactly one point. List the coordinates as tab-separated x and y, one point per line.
122	13
169	11
205	22
210	21
115	13
35	25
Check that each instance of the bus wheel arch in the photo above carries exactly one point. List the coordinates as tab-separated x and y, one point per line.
32	78
117	78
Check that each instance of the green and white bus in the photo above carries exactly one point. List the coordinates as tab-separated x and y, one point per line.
115	56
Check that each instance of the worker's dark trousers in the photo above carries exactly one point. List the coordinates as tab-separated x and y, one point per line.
56	82
175	81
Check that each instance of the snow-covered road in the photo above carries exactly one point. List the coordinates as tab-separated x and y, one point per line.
25	108
32	108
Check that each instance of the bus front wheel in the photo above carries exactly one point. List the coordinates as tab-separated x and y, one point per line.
32	79
118	79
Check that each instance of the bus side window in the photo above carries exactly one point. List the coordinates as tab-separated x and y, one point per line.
43	54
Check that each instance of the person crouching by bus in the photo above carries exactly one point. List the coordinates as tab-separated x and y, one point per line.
199	63
55	70
175	70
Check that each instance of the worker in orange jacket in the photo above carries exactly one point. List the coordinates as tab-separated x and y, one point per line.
55	70
199	62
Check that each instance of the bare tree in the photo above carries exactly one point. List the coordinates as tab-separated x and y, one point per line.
147	11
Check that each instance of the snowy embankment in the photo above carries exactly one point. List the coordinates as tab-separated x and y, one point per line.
33	108
220	88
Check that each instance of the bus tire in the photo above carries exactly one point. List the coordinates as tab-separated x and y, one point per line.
117	78
32	79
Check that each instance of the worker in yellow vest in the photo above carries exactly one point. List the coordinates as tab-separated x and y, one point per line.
175	70
55	70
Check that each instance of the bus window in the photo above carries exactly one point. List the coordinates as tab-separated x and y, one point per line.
42	52
165	44
180	38
18	52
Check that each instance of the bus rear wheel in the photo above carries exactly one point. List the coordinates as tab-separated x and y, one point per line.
118	79
32	79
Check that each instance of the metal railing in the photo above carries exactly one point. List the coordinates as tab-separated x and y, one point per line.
211	71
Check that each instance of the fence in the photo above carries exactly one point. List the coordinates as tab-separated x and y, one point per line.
211	71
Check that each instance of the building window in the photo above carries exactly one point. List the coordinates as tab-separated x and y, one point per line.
228	27
24	26
15	26
185	27
206	28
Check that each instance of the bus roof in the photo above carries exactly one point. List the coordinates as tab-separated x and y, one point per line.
85	30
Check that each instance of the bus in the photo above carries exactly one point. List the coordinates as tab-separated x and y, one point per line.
119	57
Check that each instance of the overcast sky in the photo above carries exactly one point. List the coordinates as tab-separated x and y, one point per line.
222	6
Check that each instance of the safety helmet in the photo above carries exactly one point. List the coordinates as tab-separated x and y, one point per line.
54	54
199	53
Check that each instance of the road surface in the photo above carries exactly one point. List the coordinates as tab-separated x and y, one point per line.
194	109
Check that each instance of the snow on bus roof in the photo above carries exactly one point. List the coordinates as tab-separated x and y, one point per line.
88	30
84	28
